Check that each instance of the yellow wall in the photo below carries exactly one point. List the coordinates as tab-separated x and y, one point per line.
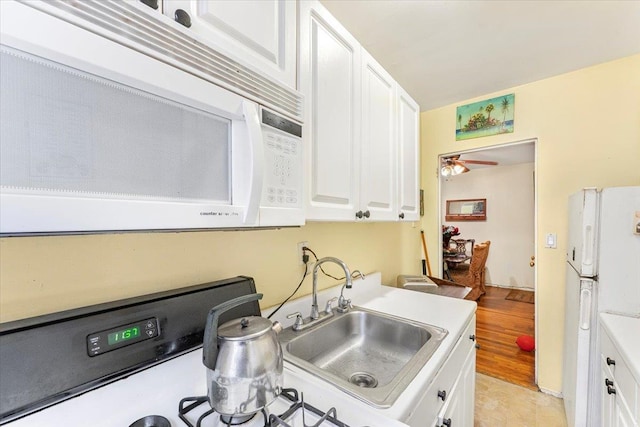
41	275
587	123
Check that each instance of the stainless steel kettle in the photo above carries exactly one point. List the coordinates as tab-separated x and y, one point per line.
243	359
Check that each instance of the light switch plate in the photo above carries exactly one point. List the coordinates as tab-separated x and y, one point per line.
551	241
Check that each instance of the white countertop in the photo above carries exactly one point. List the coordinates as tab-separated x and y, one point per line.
624	332
449	313
158	390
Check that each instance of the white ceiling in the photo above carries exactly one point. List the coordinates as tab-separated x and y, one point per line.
444	52
505	155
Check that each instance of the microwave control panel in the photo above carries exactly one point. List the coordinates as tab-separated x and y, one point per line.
283	162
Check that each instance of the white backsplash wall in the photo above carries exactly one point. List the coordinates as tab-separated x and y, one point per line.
510	219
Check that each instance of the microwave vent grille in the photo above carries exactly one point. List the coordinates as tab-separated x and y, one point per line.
154	35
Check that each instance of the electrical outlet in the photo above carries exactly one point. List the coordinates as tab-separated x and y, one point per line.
301	252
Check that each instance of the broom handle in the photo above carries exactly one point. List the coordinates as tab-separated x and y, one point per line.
426	254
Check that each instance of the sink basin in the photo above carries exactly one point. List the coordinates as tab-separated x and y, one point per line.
370	355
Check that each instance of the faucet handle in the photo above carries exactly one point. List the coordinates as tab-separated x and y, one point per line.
298	317
357	273
328	309
344	304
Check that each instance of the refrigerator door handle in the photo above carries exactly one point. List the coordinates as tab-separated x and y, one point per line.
585	309
588	245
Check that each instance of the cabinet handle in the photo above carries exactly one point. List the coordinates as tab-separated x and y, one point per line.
359	214
367	214
401	215
151	3
447	422
608	382
611	390
183	18
611	362
442	394
472	337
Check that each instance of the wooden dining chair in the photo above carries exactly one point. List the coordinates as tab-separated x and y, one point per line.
475	276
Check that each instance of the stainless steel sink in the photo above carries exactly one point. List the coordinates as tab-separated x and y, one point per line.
371	355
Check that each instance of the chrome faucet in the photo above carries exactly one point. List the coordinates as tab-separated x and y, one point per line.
315	314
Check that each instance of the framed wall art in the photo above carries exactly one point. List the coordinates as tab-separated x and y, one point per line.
484	118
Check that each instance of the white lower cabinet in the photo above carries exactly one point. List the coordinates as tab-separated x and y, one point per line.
449	400
458	409
619	392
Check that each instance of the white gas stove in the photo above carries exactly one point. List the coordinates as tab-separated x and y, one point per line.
159	390
45	360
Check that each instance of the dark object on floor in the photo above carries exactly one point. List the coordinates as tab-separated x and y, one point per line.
526	342
521	296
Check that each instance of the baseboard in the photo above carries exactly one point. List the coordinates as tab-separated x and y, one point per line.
509	287
551	392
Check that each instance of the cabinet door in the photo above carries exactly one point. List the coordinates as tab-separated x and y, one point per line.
258	33
459	409
606	398
378	174
330	81
409	157
622	416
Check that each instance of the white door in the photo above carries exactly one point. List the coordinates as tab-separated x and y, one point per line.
258	33
409	160
378	178
330	81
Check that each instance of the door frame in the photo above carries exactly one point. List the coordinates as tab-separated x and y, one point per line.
533	141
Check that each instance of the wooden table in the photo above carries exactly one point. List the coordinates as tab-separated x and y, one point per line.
452	260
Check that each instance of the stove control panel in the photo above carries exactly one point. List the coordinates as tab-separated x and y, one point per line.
122	336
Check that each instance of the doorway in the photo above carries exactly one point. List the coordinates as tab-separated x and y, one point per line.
504	175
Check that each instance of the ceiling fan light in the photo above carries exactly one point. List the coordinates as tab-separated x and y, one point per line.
446	170
458	169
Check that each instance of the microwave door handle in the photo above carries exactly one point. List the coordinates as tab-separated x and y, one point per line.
256	148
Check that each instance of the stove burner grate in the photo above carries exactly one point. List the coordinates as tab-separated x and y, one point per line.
331	415
290	394
189	403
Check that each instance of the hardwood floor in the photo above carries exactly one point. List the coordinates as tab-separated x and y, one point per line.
499	322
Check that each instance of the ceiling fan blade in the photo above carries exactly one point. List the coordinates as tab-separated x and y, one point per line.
479	162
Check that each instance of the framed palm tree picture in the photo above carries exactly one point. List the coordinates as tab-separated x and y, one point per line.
484	118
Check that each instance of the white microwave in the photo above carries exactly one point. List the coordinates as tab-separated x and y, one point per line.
111	124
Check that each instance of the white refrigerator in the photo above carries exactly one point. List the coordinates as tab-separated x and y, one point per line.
602	275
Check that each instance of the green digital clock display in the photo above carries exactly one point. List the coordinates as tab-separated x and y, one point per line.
123	335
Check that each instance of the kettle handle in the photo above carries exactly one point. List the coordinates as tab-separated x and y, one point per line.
210	342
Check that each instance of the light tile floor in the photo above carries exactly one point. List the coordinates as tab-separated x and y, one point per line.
499	403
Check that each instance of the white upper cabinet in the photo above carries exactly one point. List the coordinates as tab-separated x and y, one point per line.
258	33
378	146
330	80
409	157
361	128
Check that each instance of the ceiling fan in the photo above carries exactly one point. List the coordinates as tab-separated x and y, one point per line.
452	165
